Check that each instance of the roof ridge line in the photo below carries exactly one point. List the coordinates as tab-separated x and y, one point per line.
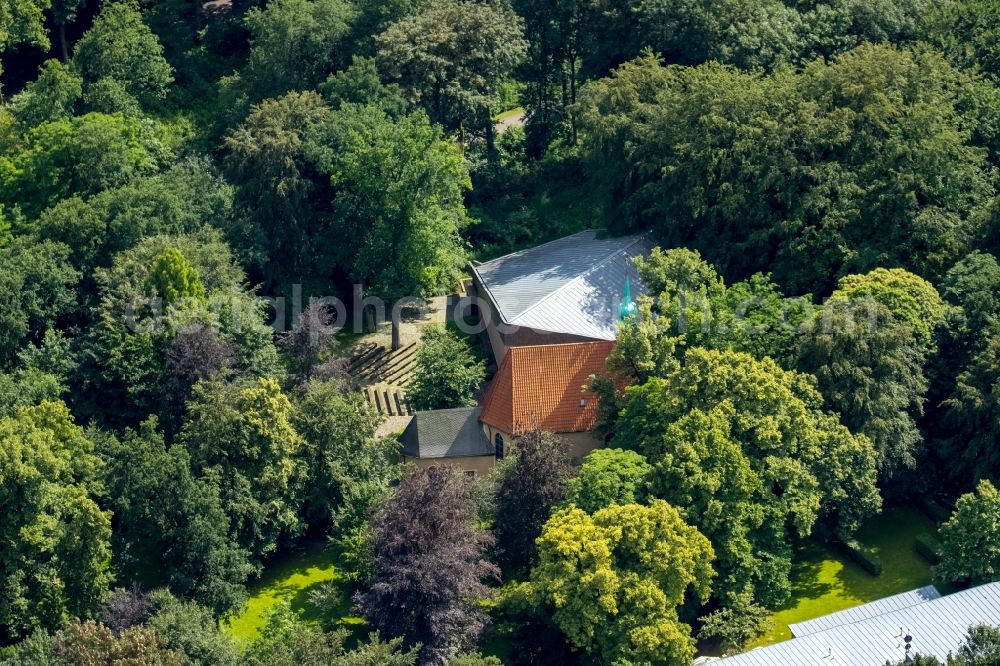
535	247
579	277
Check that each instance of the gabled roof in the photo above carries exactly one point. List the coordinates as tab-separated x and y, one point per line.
446	433
541	386
937	626
572	285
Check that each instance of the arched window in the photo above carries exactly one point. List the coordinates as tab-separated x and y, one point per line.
498	446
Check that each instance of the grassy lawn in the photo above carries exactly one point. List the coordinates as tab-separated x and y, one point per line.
824	581
290	579
508	114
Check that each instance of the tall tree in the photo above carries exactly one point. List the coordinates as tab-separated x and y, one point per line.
172	278
121	49
241	437
532	483
64	12
279	192
447	374
22	22
981	648
452	57
869	368
972	417
78	156
429	564
699	310
294	45
170	527
350	467
54	559
970	539
398	201
36	288
661	142
912	300
183	199
52	96
613	582
608	477
746	452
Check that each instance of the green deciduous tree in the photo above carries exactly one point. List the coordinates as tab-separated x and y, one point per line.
736	624
78	156
452	57
968	32
869	368
972	416
699	310
745	450
120	48
22	22
170	527
129	351
36	288
613	582
532	483
241	438
191	629
294	45
970	539
447	374
909	298
758	171
607	477
278	193
183	199
52	96
349	466
54	560
398	200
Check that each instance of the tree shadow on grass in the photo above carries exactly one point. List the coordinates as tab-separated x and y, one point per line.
806	575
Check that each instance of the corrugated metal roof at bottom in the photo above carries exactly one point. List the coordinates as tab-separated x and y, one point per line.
865	611
937	627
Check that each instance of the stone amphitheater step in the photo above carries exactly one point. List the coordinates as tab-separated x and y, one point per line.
384	366
388	399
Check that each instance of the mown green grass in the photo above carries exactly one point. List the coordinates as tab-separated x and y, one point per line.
290	579
825	581
508	114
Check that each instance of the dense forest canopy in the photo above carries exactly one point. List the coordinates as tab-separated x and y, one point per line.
820	334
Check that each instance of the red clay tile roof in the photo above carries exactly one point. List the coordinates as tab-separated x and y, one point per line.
539	386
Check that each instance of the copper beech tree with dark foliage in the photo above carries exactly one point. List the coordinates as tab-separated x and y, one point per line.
429	568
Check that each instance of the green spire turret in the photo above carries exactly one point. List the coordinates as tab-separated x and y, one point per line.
627	309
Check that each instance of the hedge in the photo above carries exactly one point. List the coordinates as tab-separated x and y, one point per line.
862	556
928	548
937	512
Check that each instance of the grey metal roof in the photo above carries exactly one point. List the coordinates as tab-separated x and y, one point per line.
446	433
938	626
571	285
865	611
